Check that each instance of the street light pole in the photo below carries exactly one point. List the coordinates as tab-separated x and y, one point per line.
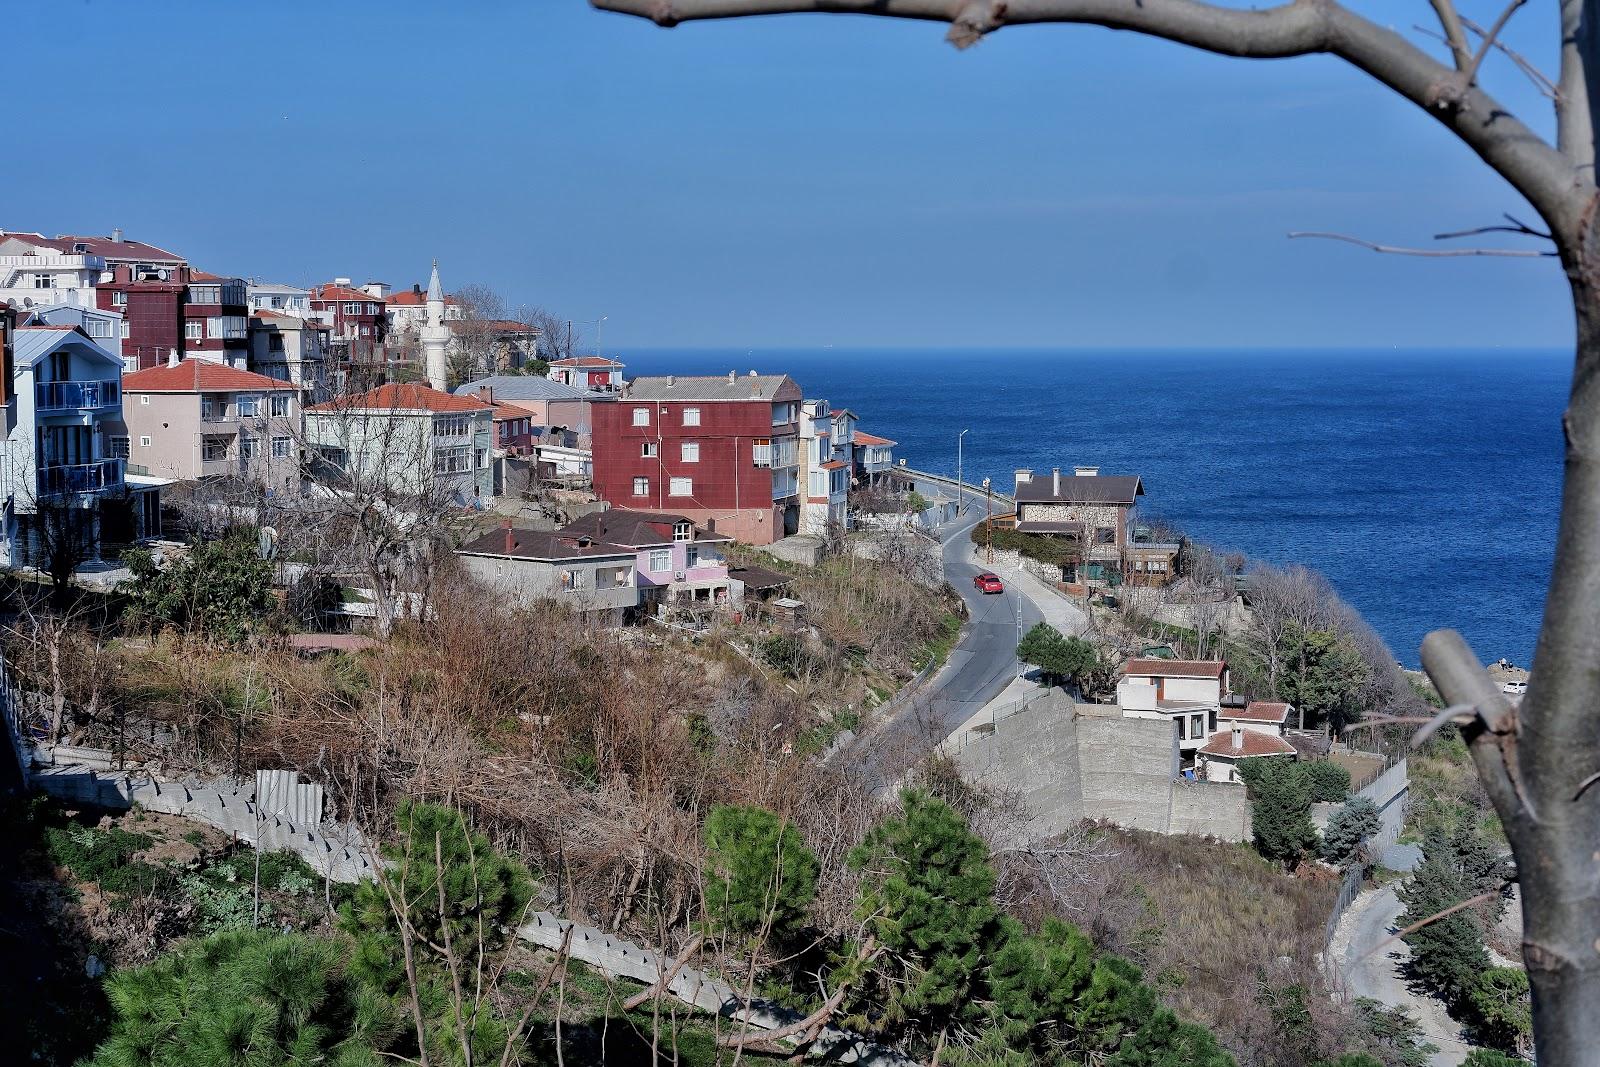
961	488
597	324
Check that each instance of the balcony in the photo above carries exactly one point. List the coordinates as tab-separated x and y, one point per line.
71	479
54	397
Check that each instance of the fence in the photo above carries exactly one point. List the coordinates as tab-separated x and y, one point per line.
1389	792
1349	889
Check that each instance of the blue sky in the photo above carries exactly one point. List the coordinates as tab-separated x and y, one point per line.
795	181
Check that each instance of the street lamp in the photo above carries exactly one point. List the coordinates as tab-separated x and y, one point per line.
597	350
961	488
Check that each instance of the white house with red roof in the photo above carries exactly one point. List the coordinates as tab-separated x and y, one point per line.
194	419
588	372
1218	759
874	456
414	438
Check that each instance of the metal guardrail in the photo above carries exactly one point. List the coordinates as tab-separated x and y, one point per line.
81	477
972	491
77	396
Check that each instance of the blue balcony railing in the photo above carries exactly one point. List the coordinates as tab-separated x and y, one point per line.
78	396
73	478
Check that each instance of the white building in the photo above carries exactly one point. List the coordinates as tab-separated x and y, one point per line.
435	335
34	276
1188	693
408	310
825	476
105	328
59	478
278	298
1218	759
292	349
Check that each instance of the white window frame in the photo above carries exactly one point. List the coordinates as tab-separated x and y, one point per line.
689	451
194	330
641	486
680	487
144	399
660	561
282	447
247	446
278	405
691	416
119	298
647	450
248	406
641	416
144	440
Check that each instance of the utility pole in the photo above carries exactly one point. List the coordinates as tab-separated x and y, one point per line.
988	521
961	487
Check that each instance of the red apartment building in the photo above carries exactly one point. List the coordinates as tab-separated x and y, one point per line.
354	314
721	451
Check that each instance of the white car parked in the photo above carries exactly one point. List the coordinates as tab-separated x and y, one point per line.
1516	687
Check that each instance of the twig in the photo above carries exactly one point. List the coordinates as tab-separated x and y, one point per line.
1584	785
1432	253
1517	226
1453	37
1489	38
1535	75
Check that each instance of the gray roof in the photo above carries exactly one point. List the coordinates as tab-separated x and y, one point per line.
714	387
1099	489
34	342
638	529
526	387
541	545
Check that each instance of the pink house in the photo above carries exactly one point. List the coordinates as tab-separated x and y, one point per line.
676	560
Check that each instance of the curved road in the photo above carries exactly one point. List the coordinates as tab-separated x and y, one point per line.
983	663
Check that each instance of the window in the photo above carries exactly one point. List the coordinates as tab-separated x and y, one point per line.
194	331
43	281
247	445
1197	726
212	447
647	449
144	440
1183	728
210	409
482	458
641	487
681	487
761	452
782	414
1104	535
280	405
281	447
571	580
819	483
691	416
366	331
119	447
691	451
612	577
372	309
119	299
1213	722
683	531
352	309
660	560
641	416
99	327
691	556
249	406
452	425
125	330
205	294
454	460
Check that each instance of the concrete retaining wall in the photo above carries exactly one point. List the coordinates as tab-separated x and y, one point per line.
1128	767
1210	809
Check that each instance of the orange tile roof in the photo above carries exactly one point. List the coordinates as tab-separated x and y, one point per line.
199	376
1176	668
403	396
342	292
1251	743
585	361
410	298
864	438
1258	711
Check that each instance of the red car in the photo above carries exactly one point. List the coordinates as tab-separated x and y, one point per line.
988	583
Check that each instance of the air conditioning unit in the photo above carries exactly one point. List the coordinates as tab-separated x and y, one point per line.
677	576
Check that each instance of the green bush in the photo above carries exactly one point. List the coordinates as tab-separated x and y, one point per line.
1499	1008
758	874
1280	808
105	858
1329	782
1347	829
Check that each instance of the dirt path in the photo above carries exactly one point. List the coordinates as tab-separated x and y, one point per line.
1366	923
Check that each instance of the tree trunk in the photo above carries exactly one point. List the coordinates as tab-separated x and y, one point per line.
1535	765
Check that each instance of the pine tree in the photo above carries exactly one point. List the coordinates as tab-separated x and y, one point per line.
928	897
1280	808
245	997
759	874
1447	954
1348	828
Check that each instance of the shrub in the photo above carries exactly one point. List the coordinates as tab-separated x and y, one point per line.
1348	829
1499	1008
1329	782
1280	808
220	588
759	874
105	858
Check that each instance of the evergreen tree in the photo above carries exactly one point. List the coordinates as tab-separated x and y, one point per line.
1447	954
1164	1041
1036	982
1280	808
1329	782
245	997
928	897
759	874
1323	676
1499	1007
221	588
1483	1057
1348	828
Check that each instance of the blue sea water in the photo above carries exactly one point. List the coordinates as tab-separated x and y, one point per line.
1425	485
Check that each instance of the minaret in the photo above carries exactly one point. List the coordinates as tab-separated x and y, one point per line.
435	334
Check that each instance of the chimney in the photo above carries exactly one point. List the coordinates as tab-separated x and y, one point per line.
172	357
116	235
1024	476
752	374
486	393
1055	481
1086	472
672	379
1238	738
731	377
511	538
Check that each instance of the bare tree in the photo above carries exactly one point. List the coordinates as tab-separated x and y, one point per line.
1535	759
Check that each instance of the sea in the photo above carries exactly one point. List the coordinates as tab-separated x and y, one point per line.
1424	484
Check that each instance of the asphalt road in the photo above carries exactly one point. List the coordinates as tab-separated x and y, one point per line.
983	663
1369	920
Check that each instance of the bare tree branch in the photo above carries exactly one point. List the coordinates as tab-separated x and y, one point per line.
1489	39
1516	226
1453	37
1432	253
